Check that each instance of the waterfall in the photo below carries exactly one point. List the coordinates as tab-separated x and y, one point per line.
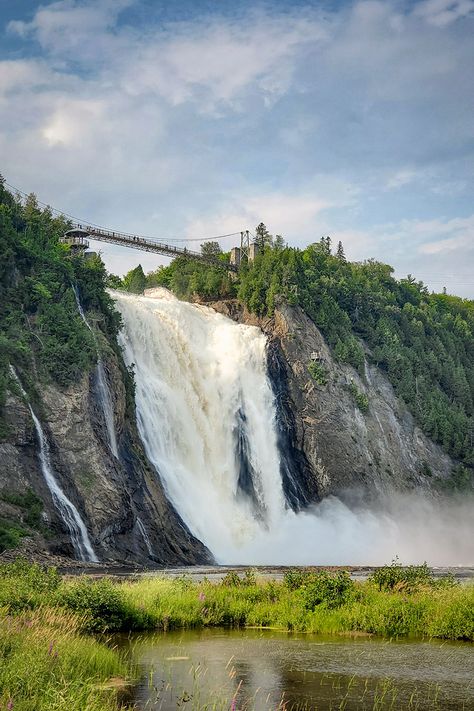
103	390
66	509
145	537
205	415
207	418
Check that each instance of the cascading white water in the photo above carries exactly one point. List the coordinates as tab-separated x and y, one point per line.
203	403
66	509
145	536
196	374
103	390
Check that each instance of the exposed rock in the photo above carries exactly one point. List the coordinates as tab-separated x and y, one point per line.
110	494
339	449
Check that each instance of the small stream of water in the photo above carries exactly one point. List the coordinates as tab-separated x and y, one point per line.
103	390
66	509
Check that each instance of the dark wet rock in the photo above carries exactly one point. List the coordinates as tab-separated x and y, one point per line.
329	445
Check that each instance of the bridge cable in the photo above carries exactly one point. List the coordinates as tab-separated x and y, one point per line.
86	223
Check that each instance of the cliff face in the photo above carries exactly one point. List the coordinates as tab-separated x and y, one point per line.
337	447
328	445
111	495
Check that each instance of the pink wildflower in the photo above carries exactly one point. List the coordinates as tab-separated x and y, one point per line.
10	705
202	596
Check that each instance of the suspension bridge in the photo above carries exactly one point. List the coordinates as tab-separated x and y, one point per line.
77	238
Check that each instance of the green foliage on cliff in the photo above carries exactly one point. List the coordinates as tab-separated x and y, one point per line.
135	280
189	279
360	398
41	331
318	372
11	534
424	341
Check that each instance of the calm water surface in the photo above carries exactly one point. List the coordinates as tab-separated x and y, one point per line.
264	669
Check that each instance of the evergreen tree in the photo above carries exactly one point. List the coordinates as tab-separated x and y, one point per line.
114	282
279	242
135	280
340	252
262	237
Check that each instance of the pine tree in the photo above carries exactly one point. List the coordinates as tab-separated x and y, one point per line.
279	242
340	252
262	237
135	280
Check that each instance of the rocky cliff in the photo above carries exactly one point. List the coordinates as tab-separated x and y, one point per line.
341	432
348	435
121	501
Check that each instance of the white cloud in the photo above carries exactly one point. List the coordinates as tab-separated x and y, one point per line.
402	178
443	12
294	216
71	27
460	233
438	251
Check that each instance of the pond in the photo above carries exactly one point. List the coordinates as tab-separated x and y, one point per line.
269	669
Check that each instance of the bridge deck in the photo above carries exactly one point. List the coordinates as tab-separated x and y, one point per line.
148	245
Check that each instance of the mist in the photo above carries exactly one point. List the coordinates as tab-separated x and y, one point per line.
408	526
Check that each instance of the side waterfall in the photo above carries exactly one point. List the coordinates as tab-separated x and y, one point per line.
66	509
145	536
103	390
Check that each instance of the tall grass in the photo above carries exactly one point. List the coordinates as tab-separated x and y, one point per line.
47	664
444	612
310	603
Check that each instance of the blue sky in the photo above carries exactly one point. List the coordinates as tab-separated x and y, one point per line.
201	118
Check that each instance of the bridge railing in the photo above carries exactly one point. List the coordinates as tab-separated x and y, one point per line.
149	245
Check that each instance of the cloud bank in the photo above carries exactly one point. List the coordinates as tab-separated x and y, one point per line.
354	121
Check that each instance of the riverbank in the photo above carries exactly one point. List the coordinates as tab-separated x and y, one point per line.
54	654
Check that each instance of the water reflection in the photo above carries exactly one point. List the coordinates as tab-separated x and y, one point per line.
262	670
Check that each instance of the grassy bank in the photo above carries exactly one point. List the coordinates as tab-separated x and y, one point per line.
46	659
54	656
46	663
444	612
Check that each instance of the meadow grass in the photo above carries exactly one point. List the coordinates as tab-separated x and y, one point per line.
54	655
444	612
46	663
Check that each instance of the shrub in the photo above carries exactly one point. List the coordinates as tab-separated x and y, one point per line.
231	580
360	398
102	604
395	577
294	579
330	590
318	372
249	578
11	534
